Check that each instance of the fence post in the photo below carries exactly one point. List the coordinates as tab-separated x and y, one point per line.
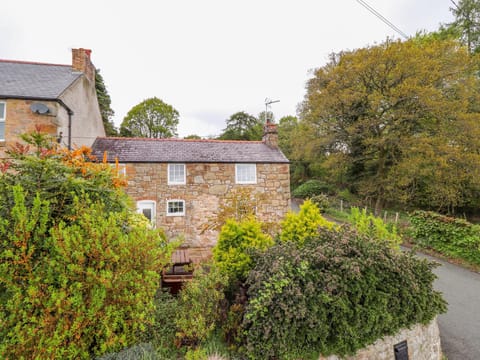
341	205
396	218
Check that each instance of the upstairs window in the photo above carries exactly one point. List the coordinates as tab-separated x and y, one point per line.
176	174
3	108
121	169
246	173
147	208
176	208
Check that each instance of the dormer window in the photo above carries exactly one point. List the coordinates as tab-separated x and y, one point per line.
176	174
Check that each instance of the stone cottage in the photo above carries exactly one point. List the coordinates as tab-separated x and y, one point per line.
59	99
180	184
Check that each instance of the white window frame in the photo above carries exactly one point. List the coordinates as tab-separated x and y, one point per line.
175	213
177	181
148	204
2	120
238	172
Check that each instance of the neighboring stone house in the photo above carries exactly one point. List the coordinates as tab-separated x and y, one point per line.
60	99
181	184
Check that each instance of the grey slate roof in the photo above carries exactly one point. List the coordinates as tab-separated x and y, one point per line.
35	80
131	150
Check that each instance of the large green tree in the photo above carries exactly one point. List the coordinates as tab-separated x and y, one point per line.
467	22
152	118
396	121
105	102
242	126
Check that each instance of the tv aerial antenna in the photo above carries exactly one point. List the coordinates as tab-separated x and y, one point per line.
268	104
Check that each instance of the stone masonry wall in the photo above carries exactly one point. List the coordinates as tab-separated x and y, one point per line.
20	119
207	184
423	343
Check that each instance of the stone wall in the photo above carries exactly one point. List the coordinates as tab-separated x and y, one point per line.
20	119
207	185
423	343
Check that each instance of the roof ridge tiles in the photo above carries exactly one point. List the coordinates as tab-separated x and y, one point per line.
180	140
31	63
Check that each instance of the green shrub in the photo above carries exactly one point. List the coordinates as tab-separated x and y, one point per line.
161	332
322	201
199	305
311	188
236	240
450	236
78	272
335	294
300	226
374	227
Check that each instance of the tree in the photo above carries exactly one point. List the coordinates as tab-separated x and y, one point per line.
368	113
152	118
79	268
467	22
104	102
242	126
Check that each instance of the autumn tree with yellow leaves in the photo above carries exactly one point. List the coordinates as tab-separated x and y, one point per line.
397	122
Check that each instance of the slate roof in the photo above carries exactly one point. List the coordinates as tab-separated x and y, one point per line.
142	150
35	80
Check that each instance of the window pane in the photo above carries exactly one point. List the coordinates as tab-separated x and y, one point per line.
246	173
176	173
2	111
2	130
147	213
175	207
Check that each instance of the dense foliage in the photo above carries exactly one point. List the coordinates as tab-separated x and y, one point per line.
450	236
298	227
105	105
374	227
242	126
78	268
152	118
397	122
235	242
199	305
311	188
335	294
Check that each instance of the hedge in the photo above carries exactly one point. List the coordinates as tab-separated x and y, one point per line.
335	294
450	236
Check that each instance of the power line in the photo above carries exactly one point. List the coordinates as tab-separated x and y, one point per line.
382	18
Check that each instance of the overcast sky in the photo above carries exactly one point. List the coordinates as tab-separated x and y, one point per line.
206	58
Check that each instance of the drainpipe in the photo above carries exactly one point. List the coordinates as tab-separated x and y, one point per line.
70	113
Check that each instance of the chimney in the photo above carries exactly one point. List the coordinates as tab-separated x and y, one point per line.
270	135
81	62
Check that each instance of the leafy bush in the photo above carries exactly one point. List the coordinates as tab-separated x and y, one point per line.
77	273
304	225
374	227
161	332
236	240
311	188
450	236
199	305
335	294
322	201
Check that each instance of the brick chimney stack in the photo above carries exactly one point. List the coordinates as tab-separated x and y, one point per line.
81	62
270	135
